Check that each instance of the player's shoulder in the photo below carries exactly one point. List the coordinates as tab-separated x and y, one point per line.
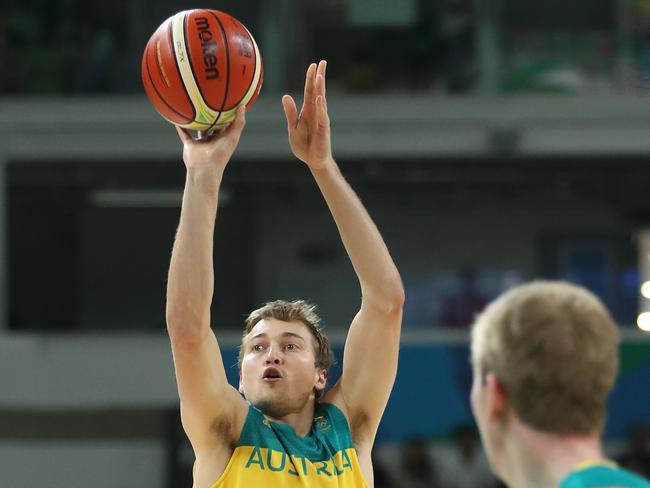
600	476
333	401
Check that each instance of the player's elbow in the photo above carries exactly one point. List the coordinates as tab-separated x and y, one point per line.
395	291
391	297
395	302
396	297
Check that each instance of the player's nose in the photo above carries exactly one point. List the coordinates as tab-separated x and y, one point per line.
273	356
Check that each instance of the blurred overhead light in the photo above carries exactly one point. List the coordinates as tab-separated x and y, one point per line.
136	198
643	321
645	289
146	198
643	239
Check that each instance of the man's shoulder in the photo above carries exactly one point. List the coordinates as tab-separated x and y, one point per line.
601	476
329	416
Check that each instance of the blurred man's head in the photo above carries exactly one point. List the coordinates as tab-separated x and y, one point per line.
545	353
284	358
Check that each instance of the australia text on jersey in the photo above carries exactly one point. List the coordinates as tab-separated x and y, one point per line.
296	465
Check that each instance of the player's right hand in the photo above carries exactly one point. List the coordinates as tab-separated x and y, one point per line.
211	154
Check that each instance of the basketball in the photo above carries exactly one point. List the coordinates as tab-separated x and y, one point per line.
199	66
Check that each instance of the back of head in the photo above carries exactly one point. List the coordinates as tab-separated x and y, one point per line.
554	348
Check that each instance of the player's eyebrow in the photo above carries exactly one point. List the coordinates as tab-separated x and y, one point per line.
294	335
264	335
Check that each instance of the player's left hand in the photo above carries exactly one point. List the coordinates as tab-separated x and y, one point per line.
309	131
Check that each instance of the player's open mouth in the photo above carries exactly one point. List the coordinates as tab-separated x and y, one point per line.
271	374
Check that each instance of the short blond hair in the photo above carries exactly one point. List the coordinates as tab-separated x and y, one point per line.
554	347
290	311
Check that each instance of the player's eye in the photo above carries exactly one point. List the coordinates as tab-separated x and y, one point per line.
290	346
258	347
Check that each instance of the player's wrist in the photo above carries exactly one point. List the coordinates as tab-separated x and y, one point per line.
324	167
204	179
322	163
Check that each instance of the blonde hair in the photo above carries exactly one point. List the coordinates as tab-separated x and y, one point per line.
289	311
554	347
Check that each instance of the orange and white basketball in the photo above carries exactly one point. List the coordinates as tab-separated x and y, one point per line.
199	66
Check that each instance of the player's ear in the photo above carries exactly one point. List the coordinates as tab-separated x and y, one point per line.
321	379
241	385
497	400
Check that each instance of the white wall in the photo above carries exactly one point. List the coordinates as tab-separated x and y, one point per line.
85	371
64	373
364	126
57	464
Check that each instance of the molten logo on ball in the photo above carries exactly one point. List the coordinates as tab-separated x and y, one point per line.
209	48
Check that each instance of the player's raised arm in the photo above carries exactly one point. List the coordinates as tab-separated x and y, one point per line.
206	398
371	350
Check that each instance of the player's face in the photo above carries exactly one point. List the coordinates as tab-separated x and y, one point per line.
278	372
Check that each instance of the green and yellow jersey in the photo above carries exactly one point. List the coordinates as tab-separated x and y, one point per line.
272	454
603	475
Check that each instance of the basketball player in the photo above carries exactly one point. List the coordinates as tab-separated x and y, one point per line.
281	429
545	356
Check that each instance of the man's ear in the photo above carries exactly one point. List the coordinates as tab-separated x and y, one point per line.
241	386
497	400
321	380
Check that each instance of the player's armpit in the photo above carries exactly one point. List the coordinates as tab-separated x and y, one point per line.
210	407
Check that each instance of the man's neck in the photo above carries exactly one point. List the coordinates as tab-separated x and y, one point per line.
300	421
539	460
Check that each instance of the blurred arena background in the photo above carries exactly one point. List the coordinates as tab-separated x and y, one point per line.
493	141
